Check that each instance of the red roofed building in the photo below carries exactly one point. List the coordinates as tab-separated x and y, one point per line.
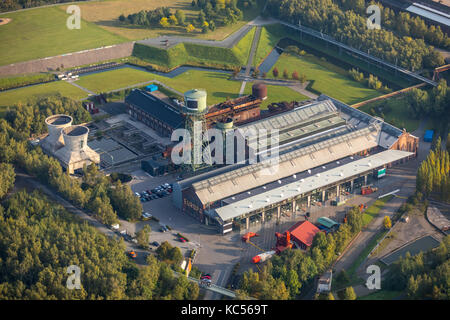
302	233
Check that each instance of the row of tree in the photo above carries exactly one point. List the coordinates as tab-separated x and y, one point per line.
433	174
220	12
372	81
283	276
351	28
423	276
39	240
10	5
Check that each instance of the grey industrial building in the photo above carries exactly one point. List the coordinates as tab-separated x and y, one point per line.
325	148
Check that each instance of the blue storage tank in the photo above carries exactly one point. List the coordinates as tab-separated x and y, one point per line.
151	88
428	136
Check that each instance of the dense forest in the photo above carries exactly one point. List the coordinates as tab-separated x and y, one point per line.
10	5
402	23
423	276
39	240
350	27
96	193
284	275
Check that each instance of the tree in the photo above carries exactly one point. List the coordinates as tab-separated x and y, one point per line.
190	27
285	74
302	78
275	72
387	222
173	20
212	25
143	236
180	17
349	294
7	177
295	75
164	22
122	18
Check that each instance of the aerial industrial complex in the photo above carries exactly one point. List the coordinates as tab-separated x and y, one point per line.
326	148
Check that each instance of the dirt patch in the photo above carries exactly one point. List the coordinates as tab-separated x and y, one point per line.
5	21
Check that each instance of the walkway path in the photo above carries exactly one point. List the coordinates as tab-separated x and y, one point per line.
250	58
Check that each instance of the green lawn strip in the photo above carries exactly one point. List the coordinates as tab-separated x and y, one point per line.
382	295
10	82
14	96
270	35
242	48
277	94
371	212
363	255
43	32
396	113
325	78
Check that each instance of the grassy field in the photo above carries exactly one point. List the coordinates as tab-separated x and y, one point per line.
105	14
15	96
194	54
325	78
42	32
216	84
272	34
394	111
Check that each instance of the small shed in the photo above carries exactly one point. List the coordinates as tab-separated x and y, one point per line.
151	88
328	223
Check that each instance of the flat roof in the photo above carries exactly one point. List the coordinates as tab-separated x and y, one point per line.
429	13
309	184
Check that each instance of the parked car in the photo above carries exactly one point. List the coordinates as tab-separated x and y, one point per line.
182	239
146	216
137	194
155	243
132	254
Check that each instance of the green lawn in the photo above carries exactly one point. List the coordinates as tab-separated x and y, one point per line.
11	97
277	94
270	35
216	84
394	111
325	78
42	32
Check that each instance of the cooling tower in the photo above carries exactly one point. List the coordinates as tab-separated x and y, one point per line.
76	153
55	124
